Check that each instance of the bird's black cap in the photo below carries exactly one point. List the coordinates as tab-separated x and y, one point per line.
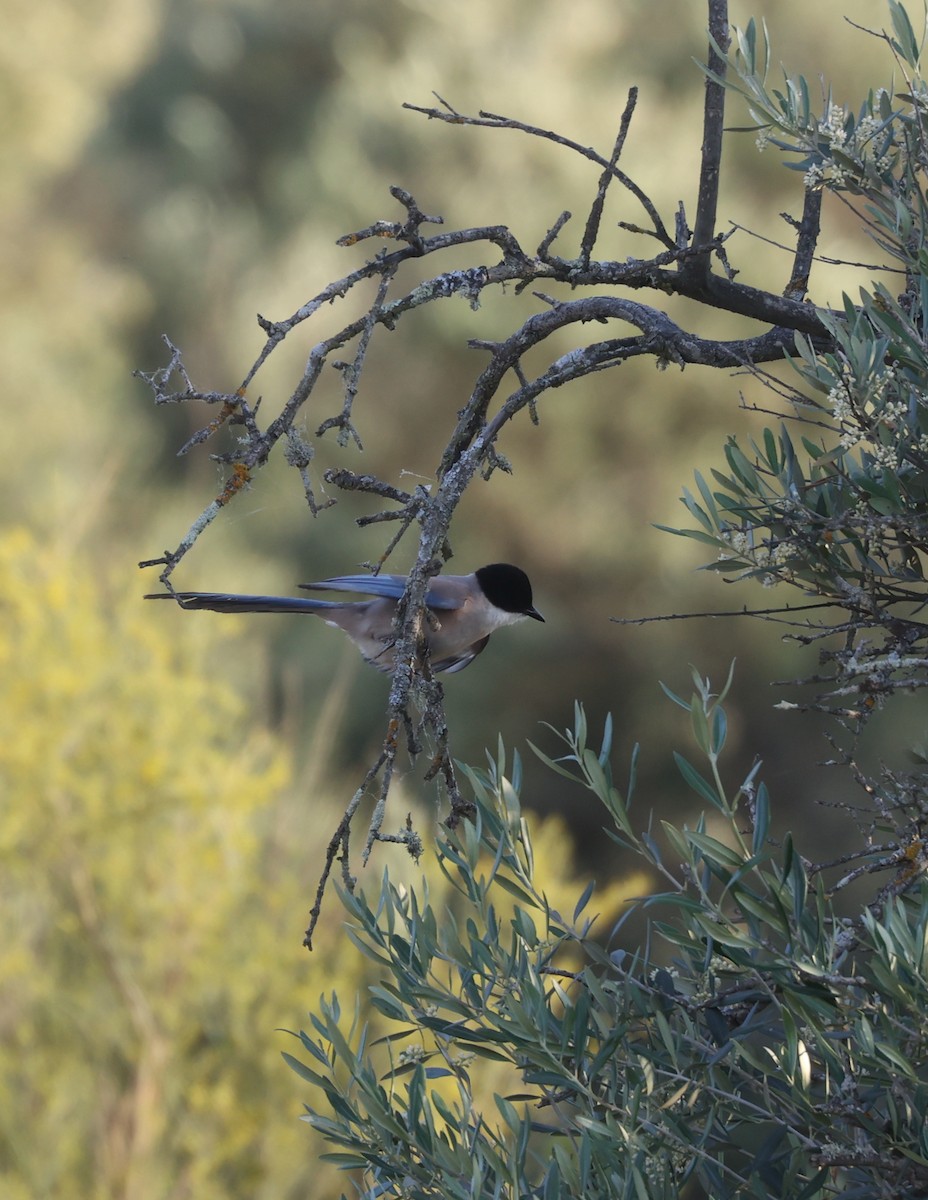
507	587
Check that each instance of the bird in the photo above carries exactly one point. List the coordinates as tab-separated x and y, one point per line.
463	611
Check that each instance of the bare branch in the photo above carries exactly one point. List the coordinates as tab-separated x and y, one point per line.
352	371
596	212
733	612
487	120
713	124
809	228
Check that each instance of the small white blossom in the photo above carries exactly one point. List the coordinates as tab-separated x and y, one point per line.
832	125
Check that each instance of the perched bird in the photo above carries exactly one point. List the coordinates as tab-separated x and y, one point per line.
464	611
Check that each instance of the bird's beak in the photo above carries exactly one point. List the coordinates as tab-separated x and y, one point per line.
534	614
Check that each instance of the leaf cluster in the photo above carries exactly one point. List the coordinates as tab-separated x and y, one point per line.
832	500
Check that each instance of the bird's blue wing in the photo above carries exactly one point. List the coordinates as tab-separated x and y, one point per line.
391	586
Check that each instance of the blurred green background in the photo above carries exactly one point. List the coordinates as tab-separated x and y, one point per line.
170	780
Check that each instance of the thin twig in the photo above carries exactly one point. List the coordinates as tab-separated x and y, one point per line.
592	225
488	120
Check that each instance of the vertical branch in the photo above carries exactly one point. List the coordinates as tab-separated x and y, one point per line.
596	212
713	122
352	370
808	230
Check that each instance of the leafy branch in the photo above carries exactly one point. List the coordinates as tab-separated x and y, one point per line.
838	509
756	1041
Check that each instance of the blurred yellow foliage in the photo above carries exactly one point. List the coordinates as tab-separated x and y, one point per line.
144	971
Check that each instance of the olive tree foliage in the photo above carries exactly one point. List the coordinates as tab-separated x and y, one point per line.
834	518
756	1043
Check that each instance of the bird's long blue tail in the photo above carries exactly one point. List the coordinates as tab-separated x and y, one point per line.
226	602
